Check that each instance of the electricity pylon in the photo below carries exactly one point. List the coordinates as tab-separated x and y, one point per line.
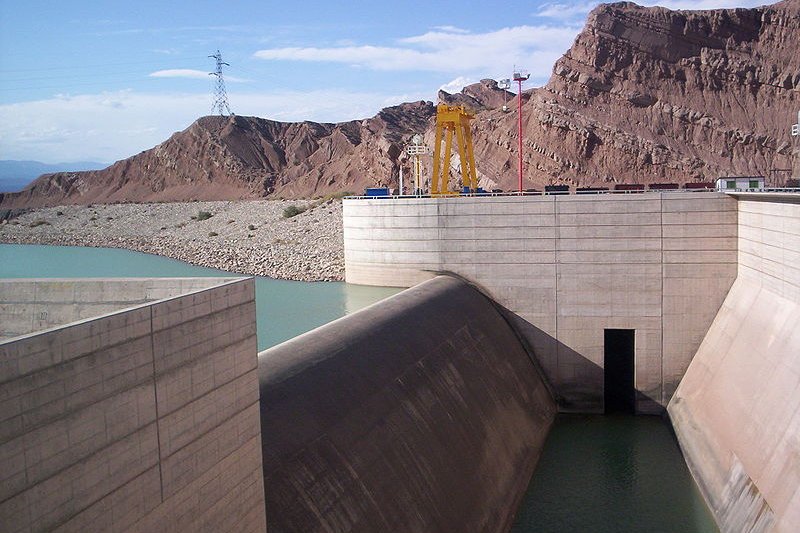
220	96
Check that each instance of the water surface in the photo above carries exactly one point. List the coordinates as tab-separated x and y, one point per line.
613	473
284	309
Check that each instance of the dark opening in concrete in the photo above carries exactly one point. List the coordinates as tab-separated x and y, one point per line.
619	392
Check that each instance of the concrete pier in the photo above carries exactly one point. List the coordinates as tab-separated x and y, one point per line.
142	419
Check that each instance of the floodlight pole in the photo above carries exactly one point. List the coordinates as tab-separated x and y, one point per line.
504	84
416	149
519	77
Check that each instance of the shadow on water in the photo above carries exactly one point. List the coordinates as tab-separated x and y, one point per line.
612	473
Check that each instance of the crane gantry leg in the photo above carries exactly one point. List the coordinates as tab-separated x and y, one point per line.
450	119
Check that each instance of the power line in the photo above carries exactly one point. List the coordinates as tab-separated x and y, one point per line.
220	96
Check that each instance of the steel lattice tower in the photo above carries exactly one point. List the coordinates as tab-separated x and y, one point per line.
220	96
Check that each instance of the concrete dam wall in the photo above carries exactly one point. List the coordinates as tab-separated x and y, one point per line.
569	268
28	305
141	420
737	410
420	413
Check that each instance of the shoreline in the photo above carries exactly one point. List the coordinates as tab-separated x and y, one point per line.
250	237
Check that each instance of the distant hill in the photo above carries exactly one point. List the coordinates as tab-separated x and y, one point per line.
15	175
644	95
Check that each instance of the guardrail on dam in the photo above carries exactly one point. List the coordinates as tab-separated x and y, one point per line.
420	413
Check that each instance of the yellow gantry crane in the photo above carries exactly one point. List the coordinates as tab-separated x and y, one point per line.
449	120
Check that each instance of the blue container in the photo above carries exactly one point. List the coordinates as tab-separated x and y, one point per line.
376	191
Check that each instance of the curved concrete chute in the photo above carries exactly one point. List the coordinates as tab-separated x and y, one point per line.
420	413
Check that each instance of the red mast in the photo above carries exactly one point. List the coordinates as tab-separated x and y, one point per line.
519	77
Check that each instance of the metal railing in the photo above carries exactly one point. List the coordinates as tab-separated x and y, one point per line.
575	192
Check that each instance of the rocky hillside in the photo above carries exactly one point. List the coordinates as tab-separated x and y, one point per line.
649	95
243	157
643	95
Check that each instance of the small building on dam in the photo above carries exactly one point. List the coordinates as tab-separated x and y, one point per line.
144	406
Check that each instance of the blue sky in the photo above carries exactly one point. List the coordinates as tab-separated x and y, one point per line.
103	80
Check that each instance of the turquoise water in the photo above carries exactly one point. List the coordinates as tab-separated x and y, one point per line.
612	473
284	309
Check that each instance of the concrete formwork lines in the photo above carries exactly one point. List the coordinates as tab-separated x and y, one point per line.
38	415
90	443
552	259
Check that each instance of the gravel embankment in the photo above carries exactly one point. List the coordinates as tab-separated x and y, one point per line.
247	237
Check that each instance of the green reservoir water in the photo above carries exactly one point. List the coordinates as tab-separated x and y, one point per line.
612	474
284	309
597	473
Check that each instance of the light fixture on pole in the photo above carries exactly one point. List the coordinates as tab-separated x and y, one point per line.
505	85
519	77
415	150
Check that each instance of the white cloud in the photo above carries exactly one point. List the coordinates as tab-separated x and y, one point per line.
180	73
116	125
566	11
466	54
167	51
451	29
191	74
455	86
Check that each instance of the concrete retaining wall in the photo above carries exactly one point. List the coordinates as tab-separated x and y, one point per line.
420	413
737	410
28	305
568	267
141	420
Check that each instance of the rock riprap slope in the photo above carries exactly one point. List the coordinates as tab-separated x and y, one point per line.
247	237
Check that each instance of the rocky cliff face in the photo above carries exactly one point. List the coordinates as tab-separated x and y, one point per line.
672	96
643	95
651	95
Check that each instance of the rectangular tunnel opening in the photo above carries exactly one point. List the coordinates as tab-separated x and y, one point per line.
618	372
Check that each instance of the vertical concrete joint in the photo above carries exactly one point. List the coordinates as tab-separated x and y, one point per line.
158	413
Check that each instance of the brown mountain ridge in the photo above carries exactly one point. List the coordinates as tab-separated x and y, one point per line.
643	95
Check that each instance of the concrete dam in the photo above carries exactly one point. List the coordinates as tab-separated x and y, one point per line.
427	411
